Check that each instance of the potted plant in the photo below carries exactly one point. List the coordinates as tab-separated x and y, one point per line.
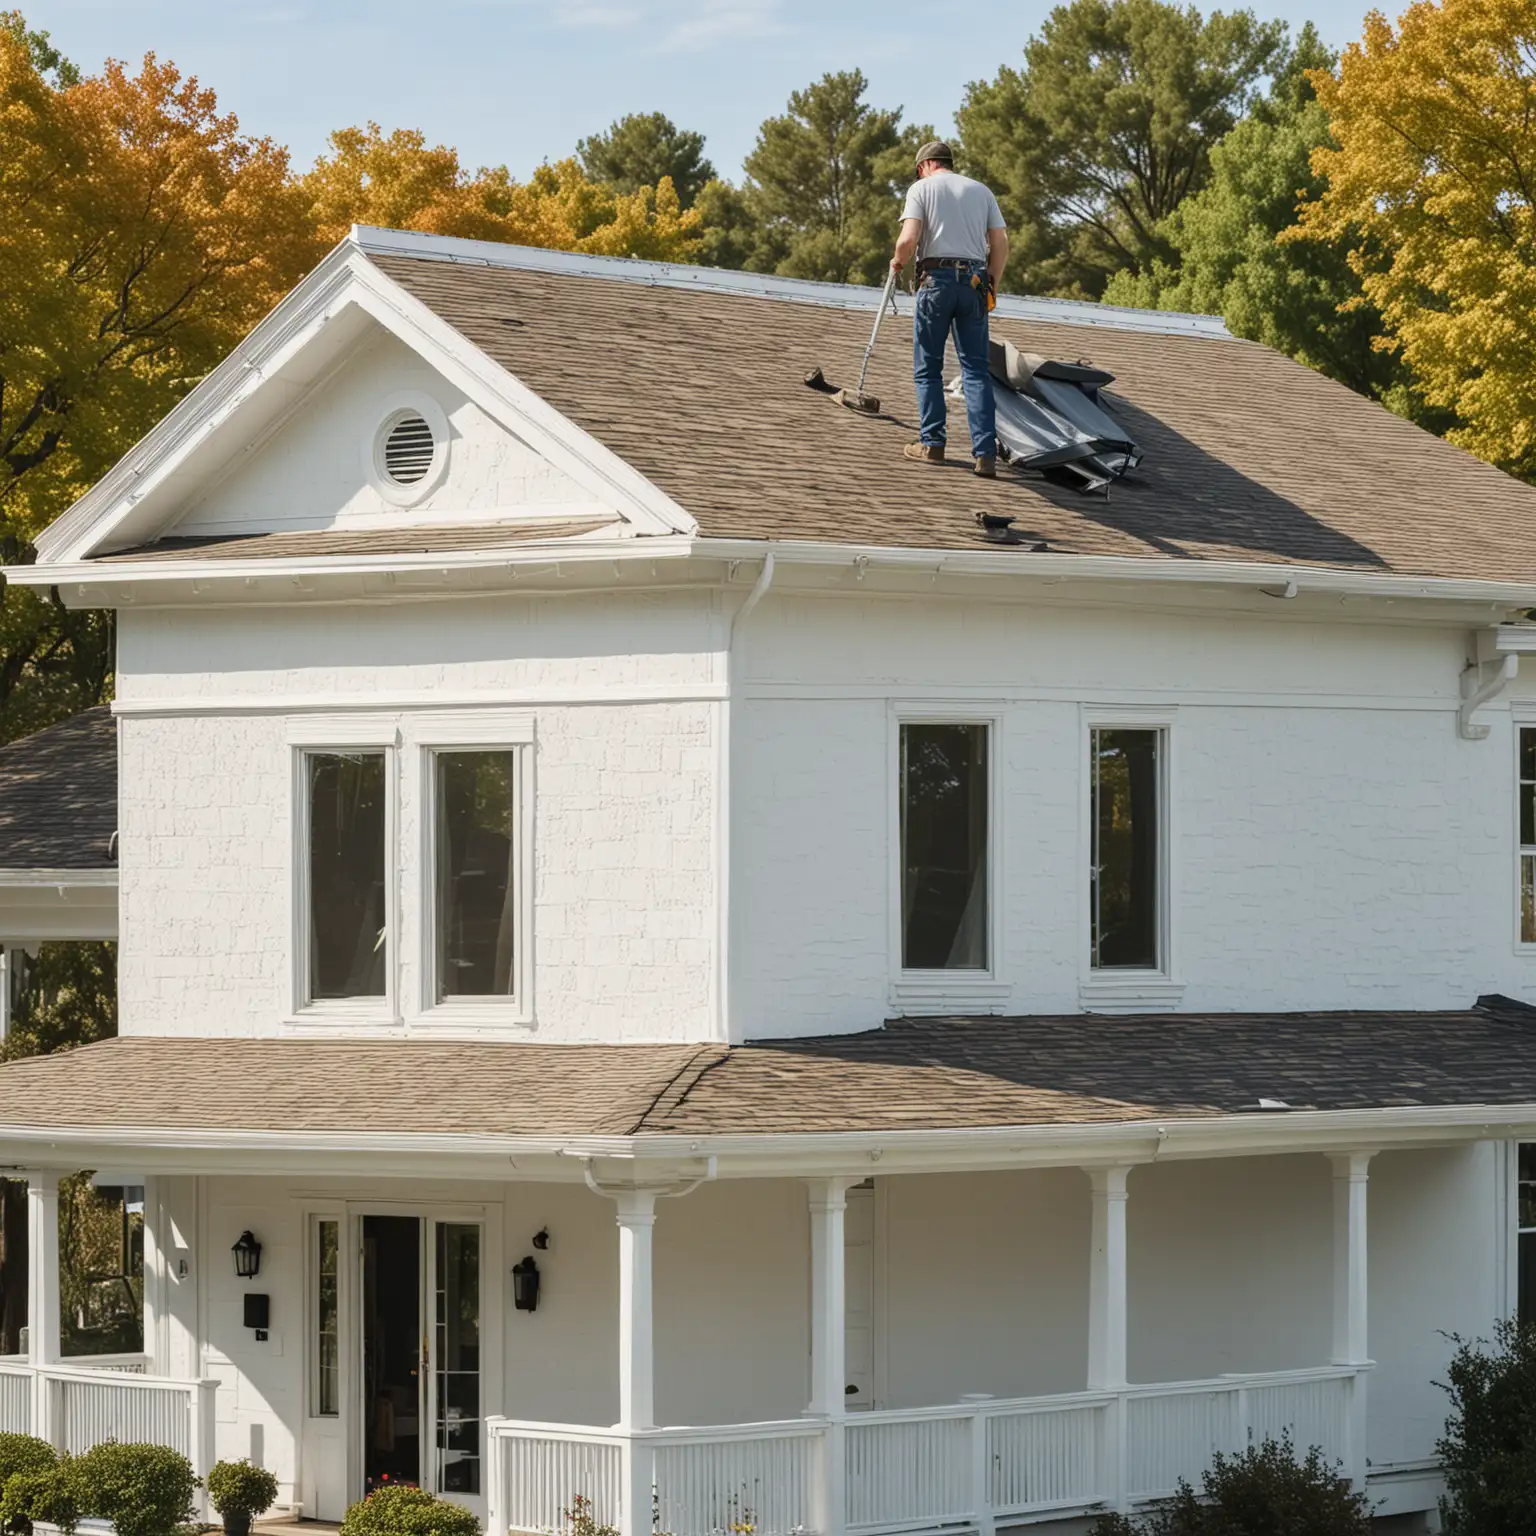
240	1492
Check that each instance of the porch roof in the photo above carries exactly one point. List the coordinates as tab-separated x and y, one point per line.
913	1075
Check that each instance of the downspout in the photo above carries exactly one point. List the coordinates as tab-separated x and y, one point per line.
723	808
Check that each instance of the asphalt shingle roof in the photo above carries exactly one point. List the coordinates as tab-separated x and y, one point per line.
1249	456
912	1075
58	795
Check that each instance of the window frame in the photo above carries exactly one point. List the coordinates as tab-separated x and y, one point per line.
473	731
314	1217
1522	720
1117	989
320	736
982	990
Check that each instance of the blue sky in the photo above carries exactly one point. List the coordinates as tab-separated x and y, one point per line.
519	81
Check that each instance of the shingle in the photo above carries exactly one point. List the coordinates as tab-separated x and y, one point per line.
1249	456
912	1075
58	795
429	539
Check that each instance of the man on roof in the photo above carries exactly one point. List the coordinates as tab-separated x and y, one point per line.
955	229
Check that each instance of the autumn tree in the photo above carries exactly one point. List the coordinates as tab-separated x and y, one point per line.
822	197
1429	179
141	235
397	180
637	151
1107	128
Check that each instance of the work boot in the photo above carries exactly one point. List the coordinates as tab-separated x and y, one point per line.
987	467
925	453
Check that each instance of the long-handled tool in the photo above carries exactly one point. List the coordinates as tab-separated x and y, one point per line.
856	399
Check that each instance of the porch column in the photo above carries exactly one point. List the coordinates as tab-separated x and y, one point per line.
637	1355
1350	1293
43	1341
828	1199
1107	1328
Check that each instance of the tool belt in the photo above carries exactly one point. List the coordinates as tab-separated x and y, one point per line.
960	263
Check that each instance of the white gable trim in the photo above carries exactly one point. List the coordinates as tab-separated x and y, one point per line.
345	283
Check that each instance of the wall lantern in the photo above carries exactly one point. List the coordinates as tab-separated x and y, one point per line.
525	1285
247	1252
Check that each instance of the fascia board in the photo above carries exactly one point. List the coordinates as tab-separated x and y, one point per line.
551	1158
506	398
1123	569
127	576
53	879
90	522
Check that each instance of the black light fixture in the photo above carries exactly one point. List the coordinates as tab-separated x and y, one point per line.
525	1285
541	1239
247	1252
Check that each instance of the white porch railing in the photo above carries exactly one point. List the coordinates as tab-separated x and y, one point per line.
76	1406
975	1464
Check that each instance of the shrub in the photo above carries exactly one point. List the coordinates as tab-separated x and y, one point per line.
24	1453
144	1490
580	1519
1264	1491
238	1488
44	1493
407	1512
1488	1450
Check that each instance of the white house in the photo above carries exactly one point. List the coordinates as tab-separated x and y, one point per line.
714	984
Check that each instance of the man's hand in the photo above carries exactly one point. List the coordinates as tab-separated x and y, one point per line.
897	264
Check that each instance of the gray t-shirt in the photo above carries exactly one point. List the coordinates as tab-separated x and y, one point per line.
956	213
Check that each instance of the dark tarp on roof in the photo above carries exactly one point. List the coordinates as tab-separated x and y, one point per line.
58	795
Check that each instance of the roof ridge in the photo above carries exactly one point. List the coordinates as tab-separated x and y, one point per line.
373	240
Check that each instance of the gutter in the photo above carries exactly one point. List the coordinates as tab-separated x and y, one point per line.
1141	1141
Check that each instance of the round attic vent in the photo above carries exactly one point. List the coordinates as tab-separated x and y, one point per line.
409	446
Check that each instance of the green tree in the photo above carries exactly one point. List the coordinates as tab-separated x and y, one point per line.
824	184
1107	128
1303	298
637	151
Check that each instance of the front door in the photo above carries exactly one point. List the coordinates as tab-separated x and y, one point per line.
422	1418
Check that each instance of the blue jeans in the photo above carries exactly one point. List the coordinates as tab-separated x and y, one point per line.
946	302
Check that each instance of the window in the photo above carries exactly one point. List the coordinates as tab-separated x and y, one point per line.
347	906
456	1321
475	882
1527	770
944	799
325	1387
1126	877
1525	1224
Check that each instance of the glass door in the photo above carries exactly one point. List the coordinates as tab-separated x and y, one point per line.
456	1412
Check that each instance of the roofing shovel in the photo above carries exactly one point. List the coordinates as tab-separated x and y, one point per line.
856	399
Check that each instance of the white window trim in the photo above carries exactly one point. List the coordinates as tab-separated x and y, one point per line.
308	736
1131	991
412	402
1521	719
958	991
425	736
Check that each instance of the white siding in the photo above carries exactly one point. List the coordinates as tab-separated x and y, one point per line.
1335	843
623	795
310	473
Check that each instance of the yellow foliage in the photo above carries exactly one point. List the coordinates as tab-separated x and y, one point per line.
1435	124
398	182
140	237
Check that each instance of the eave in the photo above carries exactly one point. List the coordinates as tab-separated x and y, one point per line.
649	1159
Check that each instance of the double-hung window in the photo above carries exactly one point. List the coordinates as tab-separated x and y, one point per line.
1129	939
945	802
1525	1234
471	775
345	921
1526	768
